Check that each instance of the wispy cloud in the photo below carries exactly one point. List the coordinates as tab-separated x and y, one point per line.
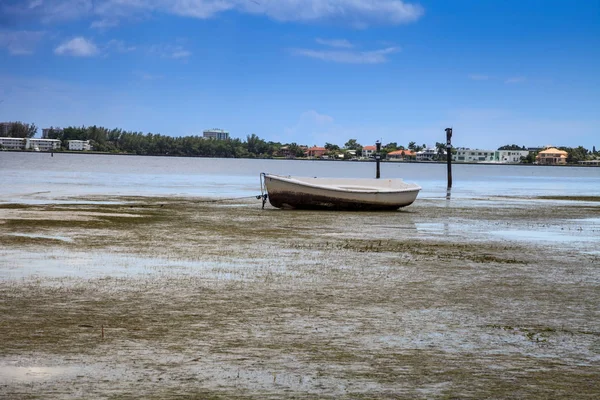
177	51
339	43
119	46
20	42
358	13
479	77
348	57
515	79
78	47
316	117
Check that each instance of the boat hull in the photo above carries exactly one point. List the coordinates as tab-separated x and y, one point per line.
339	194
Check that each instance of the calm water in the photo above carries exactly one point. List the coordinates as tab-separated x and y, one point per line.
38	177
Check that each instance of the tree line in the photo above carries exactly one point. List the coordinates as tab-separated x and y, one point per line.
129	142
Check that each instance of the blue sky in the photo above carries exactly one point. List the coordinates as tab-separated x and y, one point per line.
309	71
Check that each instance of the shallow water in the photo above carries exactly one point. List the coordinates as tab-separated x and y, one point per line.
37	177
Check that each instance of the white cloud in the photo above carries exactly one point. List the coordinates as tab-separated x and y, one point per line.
78	47
20	42
348	57
358	13
516	79
339	43
479	77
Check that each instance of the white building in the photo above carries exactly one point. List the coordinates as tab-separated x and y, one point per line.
369	151
428	154
42	144
474	155
29	144
12	143
510	156
79	145
218	134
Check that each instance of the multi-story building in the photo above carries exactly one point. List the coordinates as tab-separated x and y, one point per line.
29	144
552	156
510	156
5	128
46	131
369	151
11	143
79	145
217	134
473	155
42	144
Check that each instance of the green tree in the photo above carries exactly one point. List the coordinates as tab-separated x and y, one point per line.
352	144
412	146
392	146
511	147
574	155
22	130
441	149
331	147
256	145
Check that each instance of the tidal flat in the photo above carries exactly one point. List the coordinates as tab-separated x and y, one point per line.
165	297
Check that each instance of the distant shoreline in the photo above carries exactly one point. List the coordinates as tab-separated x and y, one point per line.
91	152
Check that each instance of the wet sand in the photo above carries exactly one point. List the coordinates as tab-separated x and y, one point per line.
168	298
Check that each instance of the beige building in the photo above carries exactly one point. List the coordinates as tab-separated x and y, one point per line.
552	156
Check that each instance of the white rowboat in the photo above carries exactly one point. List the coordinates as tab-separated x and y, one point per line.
339	193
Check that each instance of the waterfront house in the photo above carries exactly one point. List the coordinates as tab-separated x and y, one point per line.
369	151
400	155
428	154
552	156
315	151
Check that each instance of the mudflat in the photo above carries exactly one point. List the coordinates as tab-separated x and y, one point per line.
148	297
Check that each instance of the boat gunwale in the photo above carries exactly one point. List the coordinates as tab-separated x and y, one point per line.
290	179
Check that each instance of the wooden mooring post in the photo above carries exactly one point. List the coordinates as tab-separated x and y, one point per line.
449	155
378	158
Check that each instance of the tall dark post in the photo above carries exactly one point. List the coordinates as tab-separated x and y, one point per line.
378	158
449	155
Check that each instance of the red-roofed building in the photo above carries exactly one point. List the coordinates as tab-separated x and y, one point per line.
369	151
315	151
401	155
